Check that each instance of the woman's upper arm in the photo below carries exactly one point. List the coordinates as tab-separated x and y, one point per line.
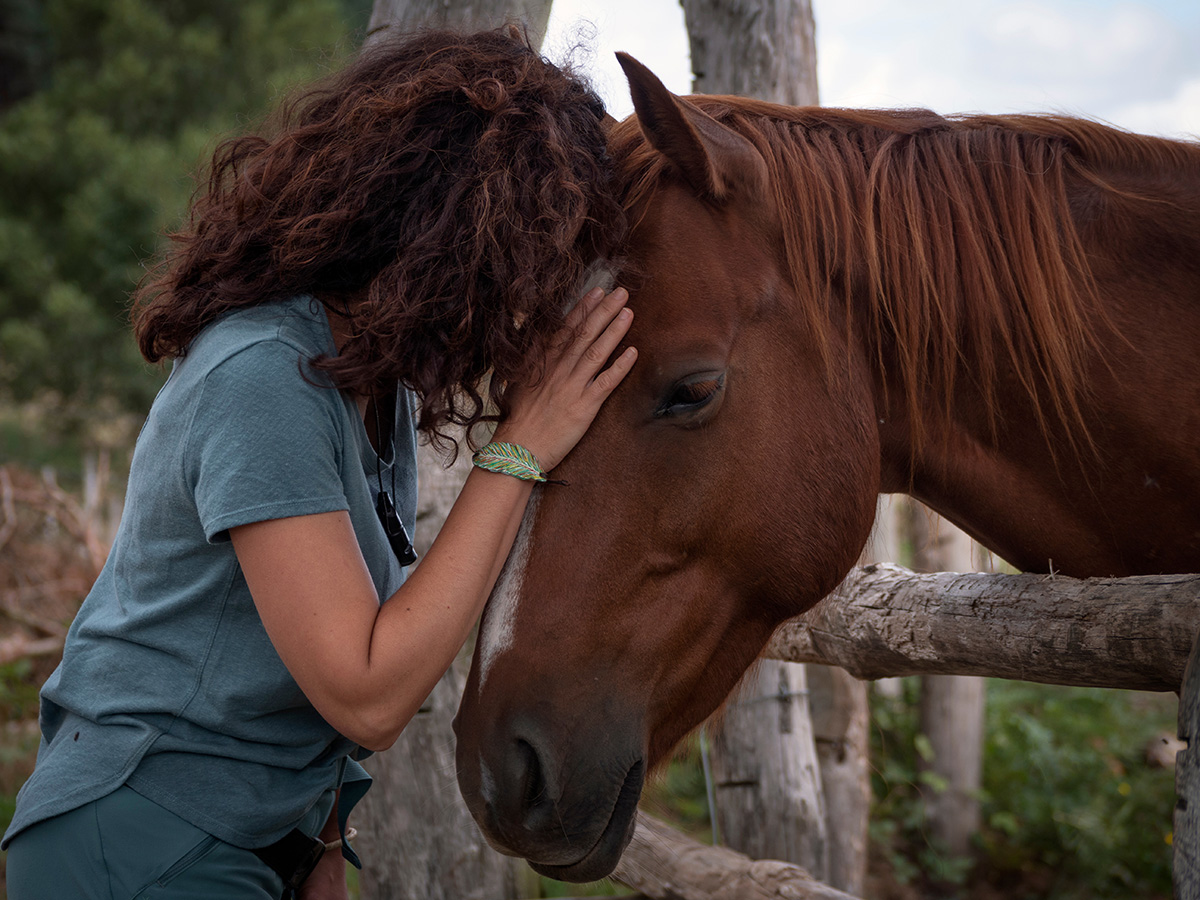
318	604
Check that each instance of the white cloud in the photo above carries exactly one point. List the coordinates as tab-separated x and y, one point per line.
1131	63
1094	59
1177	116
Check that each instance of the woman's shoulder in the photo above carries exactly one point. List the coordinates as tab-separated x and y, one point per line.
298	323
251	356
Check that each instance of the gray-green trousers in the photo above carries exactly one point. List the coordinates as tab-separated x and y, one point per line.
123	847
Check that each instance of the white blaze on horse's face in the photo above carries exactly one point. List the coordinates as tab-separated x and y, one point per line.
496	636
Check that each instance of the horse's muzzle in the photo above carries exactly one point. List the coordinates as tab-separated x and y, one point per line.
604	855
567	806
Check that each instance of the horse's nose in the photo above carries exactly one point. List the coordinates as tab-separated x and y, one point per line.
525	793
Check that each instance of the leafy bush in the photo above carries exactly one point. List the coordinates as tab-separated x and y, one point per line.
1068	789
1071	807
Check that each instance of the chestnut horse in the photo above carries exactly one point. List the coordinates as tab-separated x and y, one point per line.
997	315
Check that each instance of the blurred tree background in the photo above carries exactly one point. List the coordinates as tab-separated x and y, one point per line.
108	108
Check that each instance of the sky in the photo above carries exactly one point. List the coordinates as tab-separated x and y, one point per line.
1133	64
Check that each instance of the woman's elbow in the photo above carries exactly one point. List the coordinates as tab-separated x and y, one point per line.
372	727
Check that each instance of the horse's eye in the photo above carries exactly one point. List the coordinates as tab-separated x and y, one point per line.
690	396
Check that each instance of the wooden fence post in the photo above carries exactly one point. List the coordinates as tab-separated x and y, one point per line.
766	772
951	706
1185	839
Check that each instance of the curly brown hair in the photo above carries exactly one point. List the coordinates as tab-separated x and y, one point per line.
445	190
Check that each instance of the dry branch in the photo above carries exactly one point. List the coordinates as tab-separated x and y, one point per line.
666	865
17	646
1133	633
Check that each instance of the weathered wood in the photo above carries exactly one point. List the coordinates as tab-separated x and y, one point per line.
416	836
18	646
1186	830
1134	633
468	15
665	865
764	49
766	764
841	721
951	706
769	802
841	726
418	839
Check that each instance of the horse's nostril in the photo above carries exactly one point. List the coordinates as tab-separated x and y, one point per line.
533	780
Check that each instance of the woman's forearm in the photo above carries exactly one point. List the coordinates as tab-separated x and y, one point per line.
422	626
368	667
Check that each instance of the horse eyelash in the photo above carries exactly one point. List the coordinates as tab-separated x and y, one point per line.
691	394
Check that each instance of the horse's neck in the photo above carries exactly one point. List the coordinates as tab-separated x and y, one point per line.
1125	499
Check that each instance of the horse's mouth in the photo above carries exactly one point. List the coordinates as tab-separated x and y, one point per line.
602	858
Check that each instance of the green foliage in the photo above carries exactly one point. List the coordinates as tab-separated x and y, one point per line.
19	740
676	793
98	163
1067	788
607	888
1071	808
897	824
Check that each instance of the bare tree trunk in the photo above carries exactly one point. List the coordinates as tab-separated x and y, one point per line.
418	840
952	706
471	15
770	804
754	48
772	772
841	719
841	722
1186	820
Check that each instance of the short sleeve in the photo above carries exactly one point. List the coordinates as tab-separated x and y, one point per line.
265	441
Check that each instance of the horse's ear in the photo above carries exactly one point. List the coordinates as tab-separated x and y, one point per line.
714	159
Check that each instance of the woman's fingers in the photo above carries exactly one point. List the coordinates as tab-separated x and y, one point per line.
606	382
585	305
601	348
549	415
598	315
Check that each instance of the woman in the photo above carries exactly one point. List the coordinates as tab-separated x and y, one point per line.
420	220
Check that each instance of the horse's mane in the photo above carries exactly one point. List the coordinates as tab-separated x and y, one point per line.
957	231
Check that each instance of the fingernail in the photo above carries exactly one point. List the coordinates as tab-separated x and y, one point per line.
596	292
625	314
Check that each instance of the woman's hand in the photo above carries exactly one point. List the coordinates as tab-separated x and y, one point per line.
548	418
327	881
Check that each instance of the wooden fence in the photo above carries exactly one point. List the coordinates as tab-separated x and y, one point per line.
1134	633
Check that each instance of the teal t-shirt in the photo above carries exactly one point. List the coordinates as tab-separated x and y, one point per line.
168	681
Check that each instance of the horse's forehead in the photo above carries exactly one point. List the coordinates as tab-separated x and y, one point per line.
699	269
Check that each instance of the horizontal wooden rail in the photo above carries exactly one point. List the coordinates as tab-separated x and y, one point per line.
664	864
1134	633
